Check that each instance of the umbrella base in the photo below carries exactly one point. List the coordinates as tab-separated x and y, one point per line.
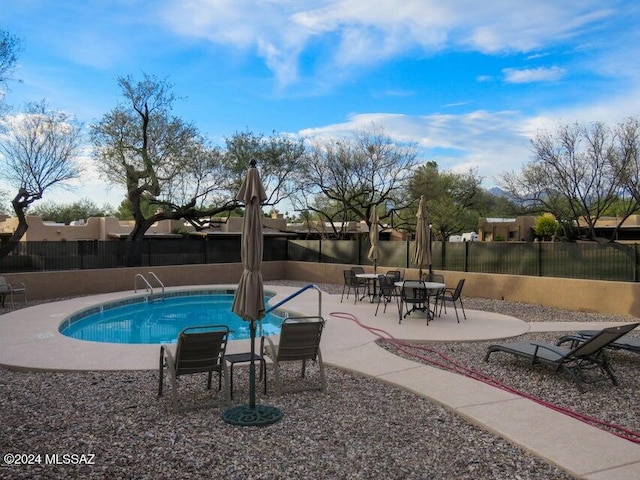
245	416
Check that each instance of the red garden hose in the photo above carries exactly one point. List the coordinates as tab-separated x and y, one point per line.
447	363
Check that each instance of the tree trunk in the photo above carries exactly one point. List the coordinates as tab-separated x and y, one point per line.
20	204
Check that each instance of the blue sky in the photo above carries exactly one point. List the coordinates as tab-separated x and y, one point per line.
469	81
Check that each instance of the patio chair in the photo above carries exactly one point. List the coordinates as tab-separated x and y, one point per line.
199	350
575	362
436	277
365	283
395	275
11	289
414	297
351	281
626	342
386	291
299	342
452	295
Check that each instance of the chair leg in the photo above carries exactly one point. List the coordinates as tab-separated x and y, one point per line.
462	305
161	370
384	299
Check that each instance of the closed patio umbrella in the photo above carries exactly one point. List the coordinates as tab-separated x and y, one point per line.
422	252
248	302
373	239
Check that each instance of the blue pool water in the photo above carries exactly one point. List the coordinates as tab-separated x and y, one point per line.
161	321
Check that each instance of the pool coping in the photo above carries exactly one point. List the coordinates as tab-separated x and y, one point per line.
30	337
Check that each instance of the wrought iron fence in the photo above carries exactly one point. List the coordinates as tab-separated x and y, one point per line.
610	261
593	261
90	254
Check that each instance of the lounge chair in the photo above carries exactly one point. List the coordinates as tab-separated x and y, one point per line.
575	362
11	289
198	350
299	341
626	342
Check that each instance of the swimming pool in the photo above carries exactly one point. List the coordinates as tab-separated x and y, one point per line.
160	318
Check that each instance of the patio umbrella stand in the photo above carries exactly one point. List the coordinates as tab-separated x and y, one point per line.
249	299
252	414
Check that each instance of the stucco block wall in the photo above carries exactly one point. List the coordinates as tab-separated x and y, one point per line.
47	285
571	294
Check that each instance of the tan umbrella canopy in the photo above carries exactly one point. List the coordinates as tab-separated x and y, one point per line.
373	238
249	300
422	252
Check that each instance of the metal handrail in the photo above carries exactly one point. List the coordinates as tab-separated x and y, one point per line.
157	280
295	294
135	283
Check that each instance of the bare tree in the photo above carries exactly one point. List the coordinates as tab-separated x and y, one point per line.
160	158
9	48
575	174
280	161
349	177
38	150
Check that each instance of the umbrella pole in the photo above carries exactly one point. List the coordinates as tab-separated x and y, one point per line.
252	367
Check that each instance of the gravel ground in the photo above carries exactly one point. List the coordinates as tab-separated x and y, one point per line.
360	429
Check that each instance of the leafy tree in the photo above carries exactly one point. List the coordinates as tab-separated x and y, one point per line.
38	151
577	174
124	211
349	177
546	226
67	213
161	159
453	199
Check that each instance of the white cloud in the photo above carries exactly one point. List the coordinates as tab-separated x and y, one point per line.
529	75
492	142
360	33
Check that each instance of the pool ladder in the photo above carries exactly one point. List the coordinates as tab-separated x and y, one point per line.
298	292
147	283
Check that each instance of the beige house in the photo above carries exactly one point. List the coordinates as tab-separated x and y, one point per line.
519	229
110	228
